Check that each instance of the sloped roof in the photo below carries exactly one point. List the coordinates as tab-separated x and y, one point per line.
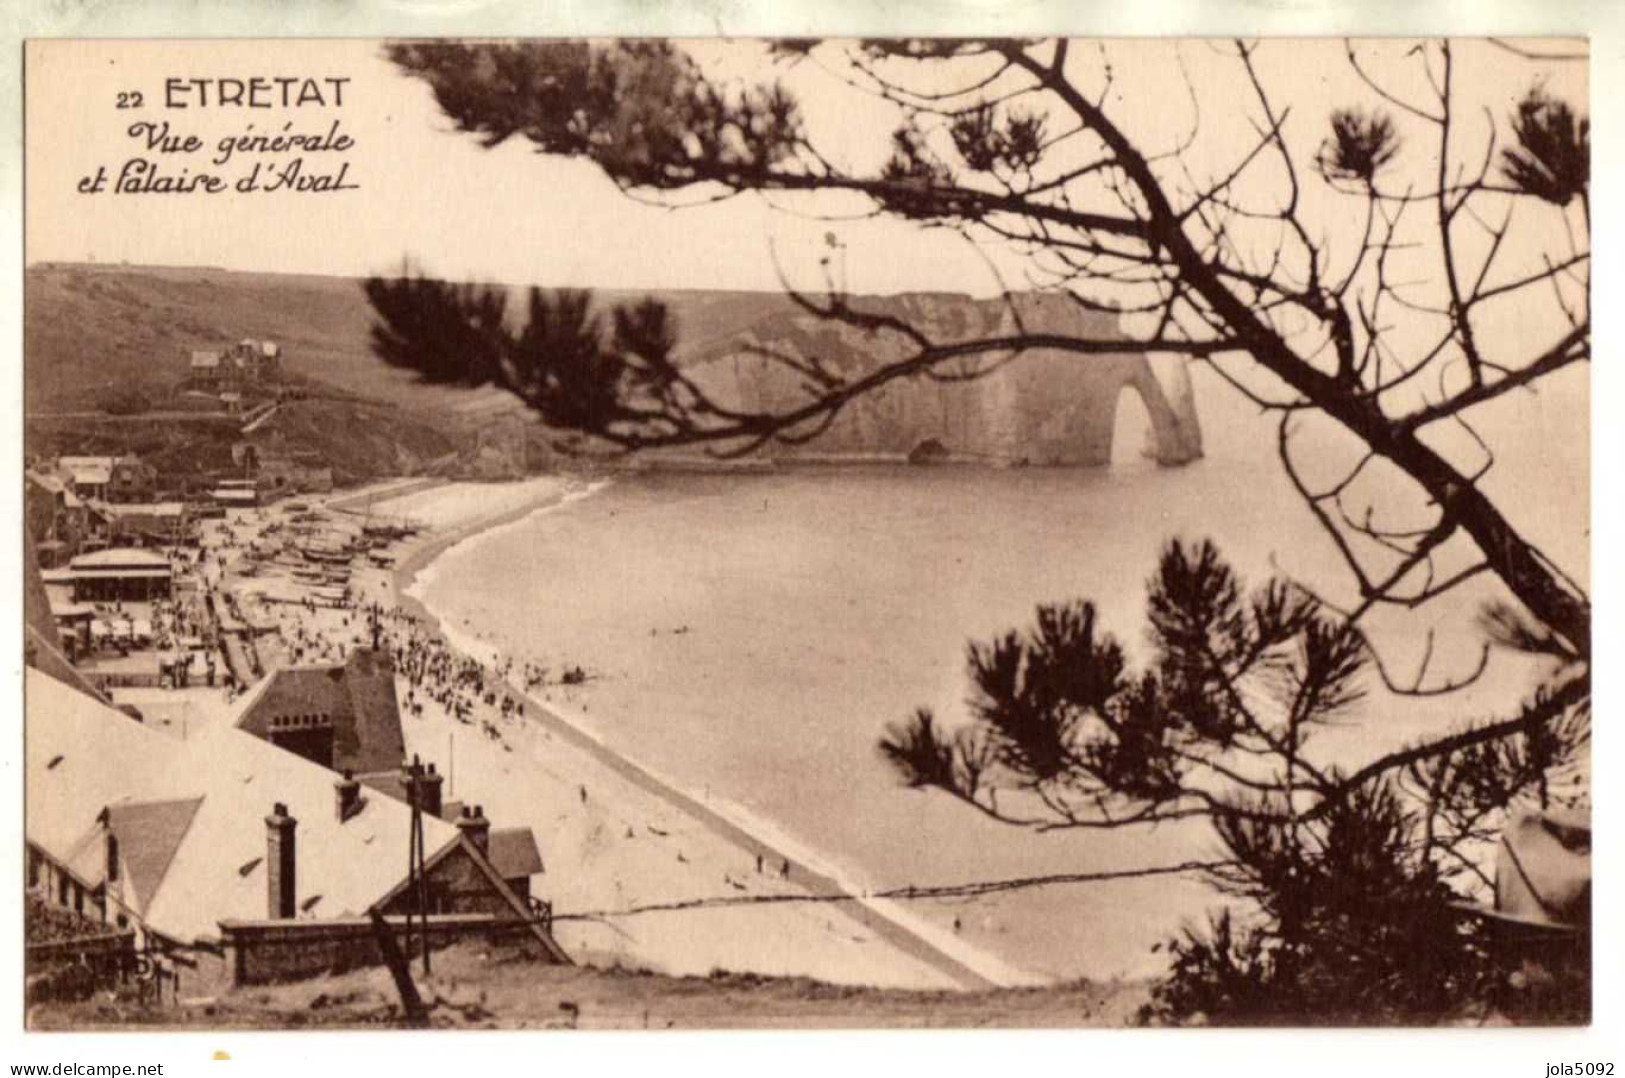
294	690
36	600
41	641
513	852
359	697
149	835
121	558
376	740
82	756
91	474
45	654
52	483
66	608
157	509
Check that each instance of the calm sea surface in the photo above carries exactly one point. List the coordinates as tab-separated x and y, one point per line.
751	635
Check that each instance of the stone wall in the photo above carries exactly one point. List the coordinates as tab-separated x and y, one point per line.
265	952
455	885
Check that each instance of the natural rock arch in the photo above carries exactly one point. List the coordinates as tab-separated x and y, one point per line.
1091	423
1049	407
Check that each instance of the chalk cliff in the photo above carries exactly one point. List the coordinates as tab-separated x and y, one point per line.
1044	406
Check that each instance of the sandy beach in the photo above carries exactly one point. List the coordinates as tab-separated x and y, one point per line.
616	837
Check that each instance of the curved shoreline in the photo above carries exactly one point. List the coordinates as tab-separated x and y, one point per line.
815	883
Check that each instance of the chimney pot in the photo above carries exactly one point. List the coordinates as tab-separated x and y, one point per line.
280	862
348	796
430	790
478	829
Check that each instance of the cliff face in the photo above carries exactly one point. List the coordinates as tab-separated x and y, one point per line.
1041	407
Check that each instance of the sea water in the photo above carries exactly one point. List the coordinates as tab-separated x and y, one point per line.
750	636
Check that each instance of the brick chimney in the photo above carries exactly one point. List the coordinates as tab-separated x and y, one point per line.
279	863
348	792
476	827
430	787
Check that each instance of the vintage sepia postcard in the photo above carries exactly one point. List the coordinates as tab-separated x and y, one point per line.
806	533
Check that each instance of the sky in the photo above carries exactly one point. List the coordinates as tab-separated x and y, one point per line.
509	214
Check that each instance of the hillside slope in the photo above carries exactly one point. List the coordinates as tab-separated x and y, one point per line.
119	337
88	328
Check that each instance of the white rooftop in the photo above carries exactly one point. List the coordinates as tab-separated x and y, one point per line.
83	756
121	558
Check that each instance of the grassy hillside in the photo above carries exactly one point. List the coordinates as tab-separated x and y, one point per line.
101	339
89	328
359	439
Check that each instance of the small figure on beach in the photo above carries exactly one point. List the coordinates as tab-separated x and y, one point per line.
784	869
583	790
758	864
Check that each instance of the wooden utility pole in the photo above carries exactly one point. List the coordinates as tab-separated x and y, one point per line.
417	1015
416	873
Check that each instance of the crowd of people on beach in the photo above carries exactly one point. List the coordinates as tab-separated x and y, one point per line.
458	683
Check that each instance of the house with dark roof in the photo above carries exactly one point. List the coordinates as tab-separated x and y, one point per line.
515	856
342	716
346	717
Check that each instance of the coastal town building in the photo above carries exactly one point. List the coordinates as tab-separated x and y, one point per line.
280	466
341	716
146	523
121	574
57	518
73	622
224	843
248	360
88	477
112	479
45	647
236	493
345	717
285	471
204	369
515	856
254	358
